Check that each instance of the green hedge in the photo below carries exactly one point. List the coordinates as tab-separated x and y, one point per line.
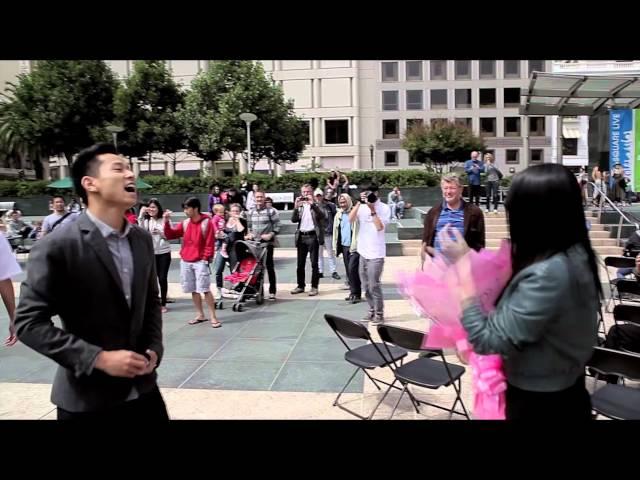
290	181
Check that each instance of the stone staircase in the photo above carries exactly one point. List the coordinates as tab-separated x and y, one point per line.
410	233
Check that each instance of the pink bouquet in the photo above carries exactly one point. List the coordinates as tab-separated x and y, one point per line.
430	293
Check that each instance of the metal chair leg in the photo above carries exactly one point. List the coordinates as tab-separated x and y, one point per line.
345	387
404	389
371	378
382	399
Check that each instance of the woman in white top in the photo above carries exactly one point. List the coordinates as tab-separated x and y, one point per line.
151	220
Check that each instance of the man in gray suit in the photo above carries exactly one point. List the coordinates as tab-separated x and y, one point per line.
98	275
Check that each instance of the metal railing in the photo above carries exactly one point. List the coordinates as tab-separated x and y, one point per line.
605	202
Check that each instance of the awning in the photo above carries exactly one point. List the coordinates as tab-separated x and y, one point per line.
570	131
572	95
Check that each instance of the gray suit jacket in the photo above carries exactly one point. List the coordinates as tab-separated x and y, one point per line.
71	273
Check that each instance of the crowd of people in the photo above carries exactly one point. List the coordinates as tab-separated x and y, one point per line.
544	324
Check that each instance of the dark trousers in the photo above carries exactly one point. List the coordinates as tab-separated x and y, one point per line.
573	403
163	261
308	244
271	270
474	193
351	266
149	407
492	194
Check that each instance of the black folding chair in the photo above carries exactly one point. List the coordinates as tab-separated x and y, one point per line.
425	371
366	357
616	401
616	262
627	315
628	291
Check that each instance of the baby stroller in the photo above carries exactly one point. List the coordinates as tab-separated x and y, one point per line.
247	276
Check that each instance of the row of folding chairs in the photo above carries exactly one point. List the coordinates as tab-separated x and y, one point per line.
430	371
617	400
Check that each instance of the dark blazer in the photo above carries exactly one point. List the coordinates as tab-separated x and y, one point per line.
474	232
319	216
71	273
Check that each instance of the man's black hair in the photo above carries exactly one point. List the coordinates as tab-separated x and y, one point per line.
86	163
193	202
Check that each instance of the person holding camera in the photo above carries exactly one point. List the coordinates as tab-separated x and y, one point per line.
309	236
372	217
151	220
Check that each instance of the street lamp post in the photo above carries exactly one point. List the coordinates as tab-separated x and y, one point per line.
115	130
371	148
247	118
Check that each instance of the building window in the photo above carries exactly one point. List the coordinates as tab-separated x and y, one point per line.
569	146
389	71
536	127
414	71
512	69
513	156
438	69
390	100
390	159
536	66
390	128
463	69
464	122
414	121
336	132
487	69
511	97
307	131
512	126
487	98
537	155
438	121
463	98
414	99
488	127
438	99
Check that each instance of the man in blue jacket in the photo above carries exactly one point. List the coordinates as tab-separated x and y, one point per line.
474	168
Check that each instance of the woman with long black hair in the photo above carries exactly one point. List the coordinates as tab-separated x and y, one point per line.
545	322
151	220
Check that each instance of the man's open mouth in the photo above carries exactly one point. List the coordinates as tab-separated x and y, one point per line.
130	187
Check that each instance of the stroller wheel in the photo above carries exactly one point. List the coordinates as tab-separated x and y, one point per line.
240	308
260	298
234	307
219	305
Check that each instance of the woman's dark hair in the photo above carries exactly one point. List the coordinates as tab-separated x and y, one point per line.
546	217
212	187
333	176
158	206
192	202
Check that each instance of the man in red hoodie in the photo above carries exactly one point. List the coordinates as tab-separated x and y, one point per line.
197	233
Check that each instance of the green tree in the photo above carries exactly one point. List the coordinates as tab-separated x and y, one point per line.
441	143
220	95
146	105
56	108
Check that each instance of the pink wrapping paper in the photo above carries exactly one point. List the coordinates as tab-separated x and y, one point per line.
432	297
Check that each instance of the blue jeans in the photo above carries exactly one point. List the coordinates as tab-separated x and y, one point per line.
623	272
218	269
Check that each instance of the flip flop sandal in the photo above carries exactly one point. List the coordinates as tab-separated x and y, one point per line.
216	325
196	321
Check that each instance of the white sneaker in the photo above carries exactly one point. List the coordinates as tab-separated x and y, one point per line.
495	211
486	210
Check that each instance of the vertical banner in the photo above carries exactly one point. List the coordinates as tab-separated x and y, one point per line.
621	142
636	179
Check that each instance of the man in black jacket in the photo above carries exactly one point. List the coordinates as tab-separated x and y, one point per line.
98	275
309	236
